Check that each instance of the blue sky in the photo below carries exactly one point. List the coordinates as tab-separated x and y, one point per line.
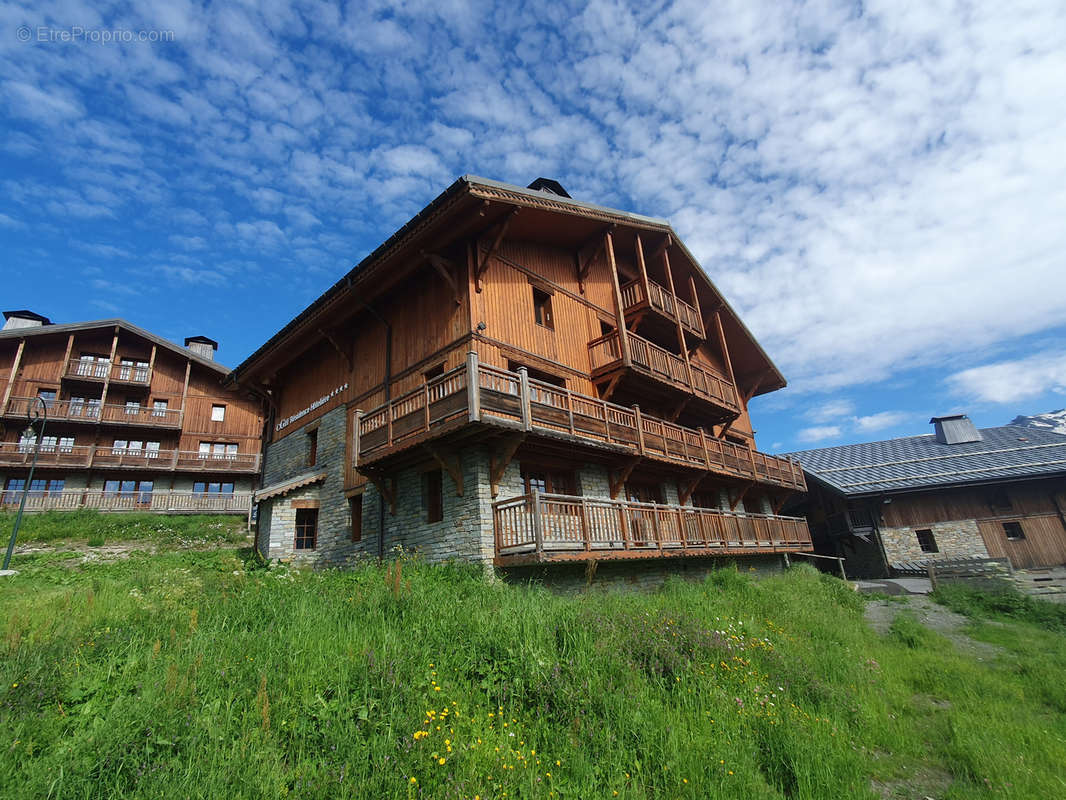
878	188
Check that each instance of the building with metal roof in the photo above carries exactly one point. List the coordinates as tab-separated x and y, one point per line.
892	505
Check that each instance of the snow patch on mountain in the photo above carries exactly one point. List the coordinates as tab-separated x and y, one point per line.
1054	421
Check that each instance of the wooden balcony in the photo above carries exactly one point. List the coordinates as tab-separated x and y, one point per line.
16	454
658	298
605	354
94	413
545	528
479	394
100	371
158	502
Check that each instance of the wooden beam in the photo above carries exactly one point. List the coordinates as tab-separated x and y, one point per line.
151	363
445	269
696	301
110	366
185	392
724	348
501	458
623	339
618	478
449	462
661	248
677	321
643	268
637	319
611	386
743	490
781	502
679	408
597	242
14	372
336	346
486	256
686	488
387	487
70	348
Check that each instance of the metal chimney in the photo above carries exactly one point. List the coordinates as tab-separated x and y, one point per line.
956	429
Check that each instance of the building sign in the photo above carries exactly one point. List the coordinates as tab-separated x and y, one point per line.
315	405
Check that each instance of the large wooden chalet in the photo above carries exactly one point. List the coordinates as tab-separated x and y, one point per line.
516	377
133	422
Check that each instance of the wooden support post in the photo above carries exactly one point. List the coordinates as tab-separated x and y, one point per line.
523	399
184	392
500	459
696	303
724	348
68	351
473	393
14	373
640	429
570	411
677	321
617	480
643	269
623	339
538	524
110	367
151	364
357	424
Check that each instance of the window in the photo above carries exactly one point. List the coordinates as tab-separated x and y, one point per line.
215	487
219	450
159	408
433	495
48	395
66	444
355	506
49	444
926	541
542	308
13	490
538	375
306	528
218	413
312	447
644	493
133	407
26	442
1013	531
119	447
549	480
132	370
92	407
433	372
151	449
93	366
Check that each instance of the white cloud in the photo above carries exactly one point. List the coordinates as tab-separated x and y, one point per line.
829	410
882	420
1009	381
819	433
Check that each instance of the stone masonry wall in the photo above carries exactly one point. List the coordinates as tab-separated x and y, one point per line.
956	539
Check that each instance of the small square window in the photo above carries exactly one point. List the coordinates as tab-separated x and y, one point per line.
542	308
926	541
218	413
1013	531
306	528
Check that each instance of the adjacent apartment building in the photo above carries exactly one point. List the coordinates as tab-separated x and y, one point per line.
521	379
893	506
134	422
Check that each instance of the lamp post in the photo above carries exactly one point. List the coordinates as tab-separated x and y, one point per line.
35	422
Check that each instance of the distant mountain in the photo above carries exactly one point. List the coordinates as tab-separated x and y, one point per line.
1054	421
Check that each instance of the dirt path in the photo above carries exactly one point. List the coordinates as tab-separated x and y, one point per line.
881	613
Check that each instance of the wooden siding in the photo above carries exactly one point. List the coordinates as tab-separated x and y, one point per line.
1044	543
1026	498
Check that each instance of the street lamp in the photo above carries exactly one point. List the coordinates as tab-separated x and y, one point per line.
35	422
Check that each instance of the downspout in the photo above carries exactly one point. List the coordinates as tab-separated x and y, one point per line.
388	398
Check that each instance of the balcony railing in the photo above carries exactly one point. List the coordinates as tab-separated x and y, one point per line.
160	501
606	353
105	370
540	528
17	454
479	393
660	299
93	412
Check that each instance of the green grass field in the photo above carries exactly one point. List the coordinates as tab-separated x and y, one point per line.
203	674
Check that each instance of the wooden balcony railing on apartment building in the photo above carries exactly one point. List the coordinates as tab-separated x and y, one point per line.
157	501
106	370
93	412
605	353
661	300
547	527
479	393
19	454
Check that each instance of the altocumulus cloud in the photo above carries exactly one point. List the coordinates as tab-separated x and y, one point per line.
865	182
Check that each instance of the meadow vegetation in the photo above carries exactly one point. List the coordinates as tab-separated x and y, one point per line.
206	674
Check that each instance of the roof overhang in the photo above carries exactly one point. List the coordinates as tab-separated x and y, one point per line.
284	487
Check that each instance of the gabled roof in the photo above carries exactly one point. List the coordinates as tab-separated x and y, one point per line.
484	190
74	327
1010	452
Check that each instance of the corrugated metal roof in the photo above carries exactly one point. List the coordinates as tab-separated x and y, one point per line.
917	462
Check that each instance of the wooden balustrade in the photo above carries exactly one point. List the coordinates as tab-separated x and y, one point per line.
156	501
106	370
547	527
16	454
605	352
660	299
443	403
94	412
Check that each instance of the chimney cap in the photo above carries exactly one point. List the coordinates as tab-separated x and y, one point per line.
955	429
26	314
550	186
201	340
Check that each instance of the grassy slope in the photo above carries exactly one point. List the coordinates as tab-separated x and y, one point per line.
199	674
97	528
